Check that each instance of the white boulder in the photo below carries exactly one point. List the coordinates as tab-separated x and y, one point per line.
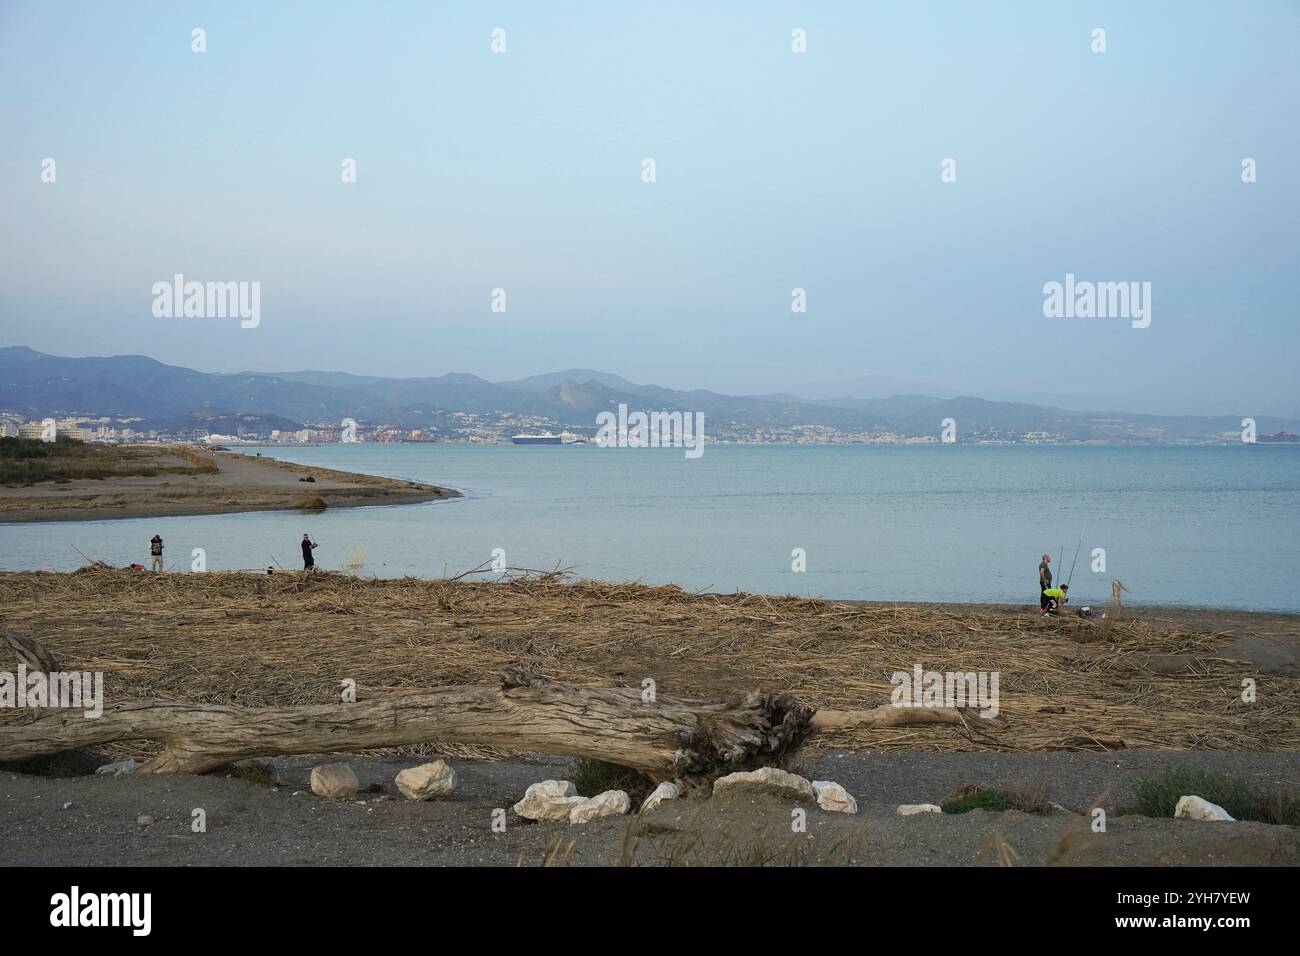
611	803
768	780
831	796
427	781
910	809
548	800
1194	808
334	780
665	791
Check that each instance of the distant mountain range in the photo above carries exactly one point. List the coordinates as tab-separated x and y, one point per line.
174	399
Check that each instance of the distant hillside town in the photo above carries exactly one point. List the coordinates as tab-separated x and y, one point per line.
132	398
466	428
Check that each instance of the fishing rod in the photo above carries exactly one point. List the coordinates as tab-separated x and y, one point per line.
1076	561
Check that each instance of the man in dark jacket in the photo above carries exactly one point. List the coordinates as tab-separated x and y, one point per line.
308	562
1044	580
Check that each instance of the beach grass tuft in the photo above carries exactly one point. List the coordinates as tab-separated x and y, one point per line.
591	777
1158	795
975	797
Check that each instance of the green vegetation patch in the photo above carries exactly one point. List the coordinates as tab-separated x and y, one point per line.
975	797
26	461
1158	795
591	777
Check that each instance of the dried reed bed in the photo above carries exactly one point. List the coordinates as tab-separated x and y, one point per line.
290	638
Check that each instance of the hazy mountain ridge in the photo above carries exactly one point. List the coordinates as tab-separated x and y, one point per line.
35	384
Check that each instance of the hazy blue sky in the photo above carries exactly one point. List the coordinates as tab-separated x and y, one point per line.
775	170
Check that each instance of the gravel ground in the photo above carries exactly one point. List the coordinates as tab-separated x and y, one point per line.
92	820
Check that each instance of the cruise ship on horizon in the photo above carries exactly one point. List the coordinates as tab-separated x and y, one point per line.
546	438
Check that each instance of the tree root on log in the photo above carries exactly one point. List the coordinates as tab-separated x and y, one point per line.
29	651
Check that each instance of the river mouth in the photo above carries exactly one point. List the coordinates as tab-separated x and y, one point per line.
1190	527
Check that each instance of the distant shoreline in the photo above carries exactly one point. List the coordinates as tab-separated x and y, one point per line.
914	442
242	483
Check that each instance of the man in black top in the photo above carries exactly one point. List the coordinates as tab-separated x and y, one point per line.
1044	580
308	562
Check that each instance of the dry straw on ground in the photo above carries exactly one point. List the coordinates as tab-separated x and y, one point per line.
290	638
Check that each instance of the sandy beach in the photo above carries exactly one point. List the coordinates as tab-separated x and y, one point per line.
1153	679
1090	713
240	483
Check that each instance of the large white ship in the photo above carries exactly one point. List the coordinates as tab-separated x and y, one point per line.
546	438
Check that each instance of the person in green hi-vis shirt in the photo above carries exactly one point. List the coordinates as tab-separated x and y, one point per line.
1055	598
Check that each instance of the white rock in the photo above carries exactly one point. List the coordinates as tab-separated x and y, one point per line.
548	800
427	781
831	796
118	768
334	780
665	791
144	820
908	809
779	783
1194	808
611	803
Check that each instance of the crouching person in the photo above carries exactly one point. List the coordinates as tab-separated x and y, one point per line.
1055	597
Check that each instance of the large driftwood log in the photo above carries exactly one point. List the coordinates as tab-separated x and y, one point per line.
669	738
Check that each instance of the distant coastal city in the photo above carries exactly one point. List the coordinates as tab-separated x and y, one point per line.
470	428
467	429
134	399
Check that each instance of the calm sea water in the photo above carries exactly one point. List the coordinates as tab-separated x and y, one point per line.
1190	526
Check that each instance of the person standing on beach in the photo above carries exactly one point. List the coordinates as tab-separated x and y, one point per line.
308	562
155	553
1044	581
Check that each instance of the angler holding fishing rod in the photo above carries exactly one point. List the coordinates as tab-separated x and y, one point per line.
308	545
